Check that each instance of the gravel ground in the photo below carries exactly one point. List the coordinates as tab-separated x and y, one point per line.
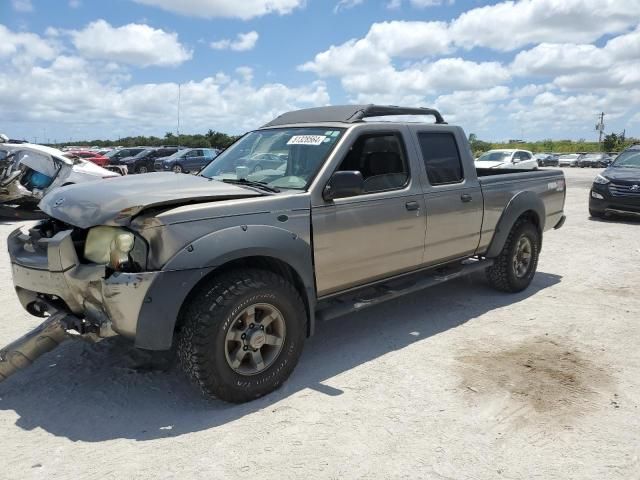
454	382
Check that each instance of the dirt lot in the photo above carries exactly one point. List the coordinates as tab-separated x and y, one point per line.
455	382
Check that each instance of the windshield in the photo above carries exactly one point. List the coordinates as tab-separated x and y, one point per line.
280	158
111	154
178	154
494	157
629	159
143	153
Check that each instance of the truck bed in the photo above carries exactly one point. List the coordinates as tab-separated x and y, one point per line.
500	186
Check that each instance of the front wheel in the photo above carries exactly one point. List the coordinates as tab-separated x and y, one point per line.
515	266
242	334
177	168
142	169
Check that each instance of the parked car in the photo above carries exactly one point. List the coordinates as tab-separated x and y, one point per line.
238	271
617	189
568	160
547	159
116	156
187	160
598	160
144	161
520	159
28	172
91	156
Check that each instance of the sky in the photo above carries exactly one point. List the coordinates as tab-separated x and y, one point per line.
526	69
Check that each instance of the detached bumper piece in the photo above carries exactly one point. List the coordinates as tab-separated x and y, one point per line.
42	339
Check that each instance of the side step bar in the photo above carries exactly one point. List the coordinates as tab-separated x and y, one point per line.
340	306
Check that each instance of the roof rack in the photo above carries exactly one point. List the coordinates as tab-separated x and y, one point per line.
350	114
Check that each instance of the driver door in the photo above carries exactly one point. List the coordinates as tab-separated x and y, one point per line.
378	233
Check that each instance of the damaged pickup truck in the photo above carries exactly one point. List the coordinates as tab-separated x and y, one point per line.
28	172
235	265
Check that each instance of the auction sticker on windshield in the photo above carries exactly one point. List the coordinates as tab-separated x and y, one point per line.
306	140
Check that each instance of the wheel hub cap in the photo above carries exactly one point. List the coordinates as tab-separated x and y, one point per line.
255	339
522	258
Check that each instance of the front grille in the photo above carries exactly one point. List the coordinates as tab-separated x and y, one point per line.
625	190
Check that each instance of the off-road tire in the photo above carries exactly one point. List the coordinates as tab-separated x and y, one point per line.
502	275
211	311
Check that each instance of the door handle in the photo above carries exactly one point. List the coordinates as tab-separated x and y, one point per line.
465	197
412	206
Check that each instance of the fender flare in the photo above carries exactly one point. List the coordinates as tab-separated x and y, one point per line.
158	317
522	202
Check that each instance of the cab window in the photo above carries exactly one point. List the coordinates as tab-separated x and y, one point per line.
381	159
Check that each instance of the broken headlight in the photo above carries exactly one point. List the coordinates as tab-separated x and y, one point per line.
115	247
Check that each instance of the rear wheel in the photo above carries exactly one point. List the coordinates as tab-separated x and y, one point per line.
515	267
242	334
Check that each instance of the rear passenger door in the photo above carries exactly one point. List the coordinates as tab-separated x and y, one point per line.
378	233
452	196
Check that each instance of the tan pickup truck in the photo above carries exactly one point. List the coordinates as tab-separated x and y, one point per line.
319	213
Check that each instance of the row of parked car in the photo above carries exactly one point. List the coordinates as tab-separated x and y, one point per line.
595	160
149	159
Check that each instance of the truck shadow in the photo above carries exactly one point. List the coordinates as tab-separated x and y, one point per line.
91	392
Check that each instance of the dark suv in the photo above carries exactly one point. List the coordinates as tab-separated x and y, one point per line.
143	162
186	160
116	156
617	189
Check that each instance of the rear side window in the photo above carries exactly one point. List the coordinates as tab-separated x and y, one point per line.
441	158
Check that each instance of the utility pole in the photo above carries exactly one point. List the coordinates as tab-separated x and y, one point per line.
600	128
178	129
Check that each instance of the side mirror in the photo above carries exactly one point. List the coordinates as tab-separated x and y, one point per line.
344	184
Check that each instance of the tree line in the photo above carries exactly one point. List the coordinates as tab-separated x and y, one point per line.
211	139
611	143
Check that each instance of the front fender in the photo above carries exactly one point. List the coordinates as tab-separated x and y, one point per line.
522	202
156	323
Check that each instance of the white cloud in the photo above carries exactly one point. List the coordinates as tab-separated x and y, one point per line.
24	47
22	5
615	65
135	44
419	3
244	9
61	85
507	26
242	43
346	4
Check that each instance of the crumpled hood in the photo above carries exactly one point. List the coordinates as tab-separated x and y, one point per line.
624	175
115	201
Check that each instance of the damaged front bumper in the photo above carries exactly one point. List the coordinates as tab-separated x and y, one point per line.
49	269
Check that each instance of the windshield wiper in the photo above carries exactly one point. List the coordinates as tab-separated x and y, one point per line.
251	183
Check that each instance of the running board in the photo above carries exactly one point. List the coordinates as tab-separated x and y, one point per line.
356	301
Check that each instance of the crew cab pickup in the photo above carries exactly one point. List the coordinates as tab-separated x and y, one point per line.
235	265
